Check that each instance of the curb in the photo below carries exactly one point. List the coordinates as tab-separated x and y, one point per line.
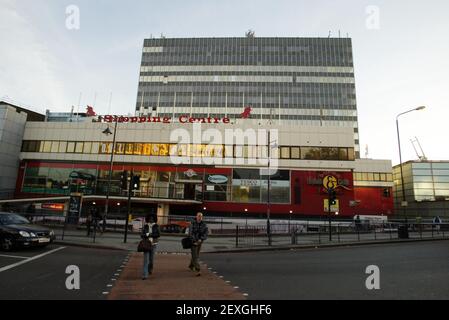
89	245
318	246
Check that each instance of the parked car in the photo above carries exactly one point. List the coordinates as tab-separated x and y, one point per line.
18	232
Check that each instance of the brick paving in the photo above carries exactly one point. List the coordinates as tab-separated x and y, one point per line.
171	280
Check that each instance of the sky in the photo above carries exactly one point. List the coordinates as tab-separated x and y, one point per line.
401	55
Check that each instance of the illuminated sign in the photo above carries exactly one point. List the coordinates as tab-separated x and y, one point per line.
217	179
53	206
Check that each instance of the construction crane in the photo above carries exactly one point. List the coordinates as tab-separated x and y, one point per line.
422	156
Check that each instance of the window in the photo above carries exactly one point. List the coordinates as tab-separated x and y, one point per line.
70	147
285	153
54	146
155	150
87	147
105	147
62	147
351	155
95	147
163	150
138	148
47	146
309	153
129	148
295	153
119	148
343	154
146	151
79	147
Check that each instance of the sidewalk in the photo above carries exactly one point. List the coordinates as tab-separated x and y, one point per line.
171	280
172	244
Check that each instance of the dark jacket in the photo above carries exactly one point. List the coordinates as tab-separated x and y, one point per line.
198	231
155	232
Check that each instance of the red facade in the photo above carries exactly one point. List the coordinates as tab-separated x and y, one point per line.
307	193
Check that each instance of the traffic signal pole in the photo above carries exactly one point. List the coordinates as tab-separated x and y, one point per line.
130	189
329	213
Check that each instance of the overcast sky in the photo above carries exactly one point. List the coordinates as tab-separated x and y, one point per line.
401	54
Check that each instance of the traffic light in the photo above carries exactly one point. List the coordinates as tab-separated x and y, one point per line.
135	183
124	180
332	197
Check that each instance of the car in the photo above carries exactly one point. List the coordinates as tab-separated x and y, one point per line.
18	232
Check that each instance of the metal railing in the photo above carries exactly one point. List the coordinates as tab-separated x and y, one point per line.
310	234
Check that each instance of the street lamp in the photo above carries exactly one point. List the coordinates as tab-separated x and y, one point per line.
404	203
107	131
269	185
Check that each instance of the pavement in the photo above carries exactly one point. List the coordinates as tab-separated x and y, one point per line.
171	280
217	244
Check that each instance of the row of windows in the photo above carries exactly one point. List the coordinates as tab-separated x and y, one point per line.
373	176
190	150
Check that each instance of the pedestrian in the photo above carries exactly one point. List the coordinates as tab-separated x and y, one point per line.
150	232
436	222
198	231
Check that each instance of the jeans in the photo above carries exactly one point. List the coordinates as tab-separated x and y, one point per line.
194	264
148	261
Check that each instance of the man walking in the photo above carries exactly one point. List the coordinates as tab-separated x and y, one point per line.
198	232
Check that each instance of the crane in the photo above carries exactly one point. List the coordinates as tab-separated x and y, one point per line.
421	157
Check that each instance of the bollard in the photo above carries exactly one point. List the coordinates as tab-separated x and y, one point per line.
236	236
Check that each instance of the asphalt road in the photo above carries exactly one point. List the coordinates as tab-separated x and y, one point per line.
45	277
407	271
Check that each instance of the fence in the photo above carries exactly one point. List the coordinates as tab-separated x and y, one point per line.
311	234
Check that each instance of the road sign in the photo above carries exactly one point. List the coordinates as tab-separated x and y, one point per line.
334	208
330	182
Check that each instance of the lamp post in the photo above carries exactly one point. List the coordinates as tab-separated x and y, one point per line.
404	203
107	131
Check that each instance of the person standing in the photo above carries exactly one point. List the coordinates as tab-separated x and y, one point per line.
151	232
198	231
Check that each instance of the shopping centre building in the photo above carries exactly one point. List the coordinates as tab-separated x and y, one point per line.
211	116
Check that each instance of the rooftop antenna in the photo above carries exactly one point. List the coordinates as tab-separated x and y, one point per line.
366	152
421	157
339	35
330	32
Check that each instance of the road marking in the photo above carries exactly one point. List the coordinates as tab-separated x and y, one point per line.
109	285
105	293
15	257
30	259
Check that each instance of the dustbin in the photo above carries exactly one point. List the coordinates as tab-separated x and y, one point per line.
403	232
